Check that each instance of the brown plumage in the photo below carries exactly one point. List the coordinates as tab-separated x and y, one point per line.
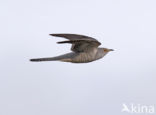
84	49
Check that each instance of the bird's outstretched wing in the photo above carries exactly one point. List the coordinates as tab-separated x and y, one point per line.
80	43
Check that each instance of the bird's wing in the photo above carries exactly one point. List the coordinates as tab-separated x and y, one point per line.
80	43
73	36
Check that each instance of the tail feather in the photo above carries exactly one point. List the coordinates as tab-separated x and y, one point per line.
44	59
57	58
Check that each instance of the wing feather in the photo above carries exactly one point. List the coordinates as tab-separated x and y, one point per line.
73	36
80	43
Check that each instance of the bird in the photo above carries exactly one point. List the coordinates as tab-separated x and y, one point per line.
84	49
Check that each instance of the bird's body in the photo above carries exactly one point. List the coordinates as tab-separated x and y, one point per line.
85	49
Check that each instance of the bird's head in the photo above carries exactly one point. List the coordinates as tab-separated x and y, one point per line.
107	50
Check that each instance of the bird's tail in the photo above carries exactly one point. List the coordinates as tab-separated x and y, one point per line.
44	59
57	58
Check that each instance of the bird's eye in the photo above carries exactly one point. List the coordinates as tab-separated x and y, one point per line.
105	50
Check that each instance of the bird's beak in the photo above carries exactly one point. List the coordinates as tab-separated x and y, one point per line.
111	50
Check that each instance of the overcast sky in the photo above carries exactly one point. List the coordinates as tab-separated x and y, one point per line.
126	75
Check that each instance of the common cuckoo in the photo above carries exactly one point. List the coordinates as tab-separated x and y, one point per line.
84	49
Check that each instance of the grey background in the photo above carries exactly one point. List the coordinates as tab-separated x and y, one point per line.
126	75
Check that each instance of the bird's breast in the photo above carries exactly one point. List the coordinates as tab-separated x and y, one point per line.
84	57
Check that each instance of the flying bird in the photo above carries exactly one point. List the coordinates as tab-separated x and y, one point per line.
84	49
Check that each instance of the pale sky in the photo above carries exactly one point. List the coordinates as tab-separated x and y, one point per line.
126	75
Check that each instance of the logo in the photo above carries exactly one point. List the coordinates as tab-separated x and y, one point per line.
138	108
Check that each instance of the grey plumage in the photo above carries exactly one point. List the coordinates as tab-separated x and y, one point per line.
84	49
